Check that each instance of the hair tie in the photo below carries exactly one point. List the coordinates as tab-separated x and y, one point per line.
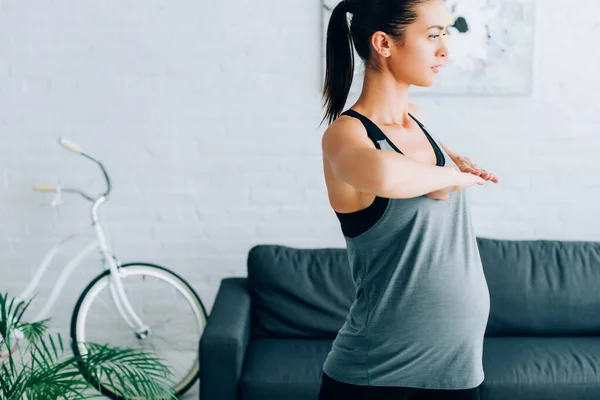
349	6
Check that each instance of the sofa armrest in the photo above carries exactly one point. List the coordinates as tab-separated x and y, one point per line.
224	341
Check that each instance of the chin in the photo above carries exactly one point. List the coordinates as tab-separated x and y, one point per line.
425	83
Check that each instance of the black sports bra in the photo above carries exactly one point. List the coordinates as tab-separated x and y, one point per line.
358	222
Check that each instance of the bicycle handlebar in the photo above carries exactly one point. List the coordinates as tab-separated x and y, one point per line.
44	188
75	148
56	189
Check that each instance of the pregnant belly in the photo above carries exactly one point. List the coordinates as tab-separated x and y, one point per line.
455	307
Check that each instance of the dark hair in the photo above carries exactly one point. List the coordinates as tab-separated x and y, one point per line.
368	17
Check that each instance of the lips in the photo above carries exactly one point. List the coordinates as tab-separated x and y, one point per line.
437	68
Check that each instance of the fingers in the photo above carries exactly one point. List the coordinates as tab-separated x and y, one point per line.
469	166
488	176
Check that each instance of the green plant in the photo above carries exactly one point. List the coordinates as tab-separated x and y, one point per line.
34	365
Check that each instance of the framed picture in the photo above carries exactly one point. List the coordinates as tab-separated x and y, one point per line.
491	45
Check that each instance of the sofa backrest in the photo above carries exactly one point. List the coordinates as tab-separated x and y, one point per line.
298	292
537	287
542	287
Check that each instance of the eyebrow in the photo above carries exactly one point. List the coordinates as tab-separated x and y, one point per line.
441	28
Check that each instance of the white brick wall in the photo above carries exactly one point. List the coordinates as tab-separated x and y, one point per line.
206	116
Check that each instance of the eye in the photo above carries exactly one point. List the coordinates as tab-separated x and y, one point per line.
445	33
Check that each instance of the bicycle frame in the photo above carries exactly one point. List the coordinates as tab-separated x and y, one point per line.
100	243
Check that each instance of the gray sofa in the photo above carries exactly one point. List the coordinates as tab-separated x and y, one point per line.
268	334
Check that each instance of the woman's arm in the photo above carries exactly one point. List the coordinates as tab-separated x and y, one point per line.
464	164
450	153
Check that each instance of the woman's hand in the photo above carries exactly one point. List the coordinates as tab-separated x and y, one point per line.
465	164
463	181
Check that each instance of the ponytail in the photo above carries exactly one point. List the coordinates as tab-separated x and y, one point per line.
368	16
339	62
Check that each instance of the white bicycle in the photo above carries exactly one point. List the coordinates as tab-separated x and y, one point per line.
129	305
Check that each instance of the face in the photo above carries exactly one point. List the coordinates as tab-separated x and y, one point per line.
425	46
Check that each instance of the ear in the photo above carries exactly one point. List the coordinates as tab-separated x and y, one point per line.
381	43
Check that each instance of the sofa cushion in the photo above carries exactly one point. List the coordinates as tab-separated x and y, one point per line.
542	287
298	292
283	369
541	368
527	367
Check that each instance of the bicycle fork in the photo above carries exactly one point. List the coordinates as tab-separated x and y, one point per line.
117	290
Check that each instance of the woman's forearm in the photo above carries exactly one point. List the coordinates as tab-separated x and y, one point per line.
450	153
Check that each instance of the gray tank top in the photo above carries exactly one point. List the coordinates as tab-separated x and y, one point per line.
422	301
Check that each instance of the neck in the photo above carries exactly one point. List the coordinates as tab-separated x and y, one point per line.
383	99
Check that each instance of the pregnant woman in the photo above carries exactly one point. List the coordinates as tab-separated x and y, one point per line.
415	329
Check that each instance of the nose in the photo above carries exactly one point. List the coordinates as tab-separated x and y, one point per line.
443	50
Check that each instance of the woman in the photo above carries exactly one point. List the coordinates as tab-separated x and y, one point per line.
416	327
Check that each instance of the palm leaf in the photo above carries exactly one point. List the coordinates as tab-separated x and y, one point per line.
33	331
44	371
137	371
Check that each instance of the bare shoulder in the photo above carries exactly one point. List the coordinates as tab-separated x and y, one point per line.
417	112
345	132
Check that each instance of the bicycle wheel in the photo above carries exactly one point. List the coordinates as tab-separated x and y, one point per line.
163	301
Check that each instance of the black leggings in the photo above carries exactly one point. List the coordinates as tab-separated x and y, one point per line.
332	389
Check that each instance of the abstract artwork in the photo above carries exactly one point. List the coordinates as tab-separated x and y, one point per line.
491	45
